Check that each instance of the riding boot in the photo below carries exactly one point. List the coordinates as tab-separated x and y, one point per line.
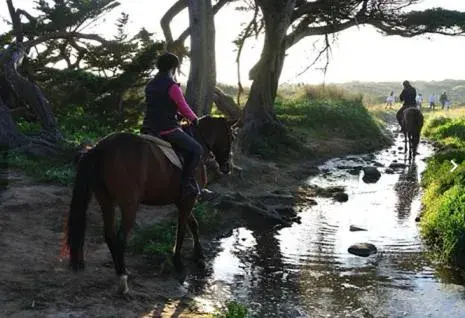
189	184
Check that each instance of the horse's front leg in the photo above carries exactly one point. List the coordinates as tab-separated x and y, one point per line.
185	209
194	227
405	142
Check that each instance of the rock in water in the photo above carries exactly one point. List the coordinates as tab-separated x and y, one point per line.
354	228
371	175
363	249
389	171
341	197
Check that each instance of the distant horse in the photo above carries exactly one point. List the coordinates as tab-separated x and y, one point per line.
126	170
413	123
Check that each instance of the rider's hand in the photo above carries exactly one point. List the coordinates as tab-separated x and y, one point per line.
195	122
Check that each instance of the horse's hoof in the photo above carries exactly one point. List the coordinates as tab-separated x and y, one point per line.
77	267
123	288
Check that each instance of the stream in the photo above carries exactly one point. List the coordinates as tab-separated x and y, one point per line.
306	271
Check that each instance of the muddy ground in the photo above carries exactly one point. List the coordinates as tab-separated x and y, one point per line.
35	282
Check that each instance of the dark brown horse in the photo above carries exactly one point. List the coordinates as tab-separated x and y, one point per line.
413	123
126	170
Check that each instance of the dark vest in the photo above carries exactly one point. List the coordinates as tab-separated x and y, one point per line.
408	96
161	111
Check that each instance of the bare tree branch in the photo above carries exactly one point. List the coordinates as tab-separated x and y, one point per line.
16	20
187	31
248	31
168	16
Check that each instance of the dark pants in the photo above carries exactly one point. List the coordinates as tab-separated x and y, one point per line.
191	150
400	115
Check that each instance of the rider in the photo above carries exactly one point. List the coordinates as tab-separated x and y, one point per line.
408	96
164	100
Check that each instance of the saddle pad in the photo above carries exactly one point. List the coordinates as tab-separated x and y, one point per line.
166	148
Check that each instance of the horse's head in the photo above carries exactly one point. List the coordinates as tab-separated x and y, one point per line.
217	136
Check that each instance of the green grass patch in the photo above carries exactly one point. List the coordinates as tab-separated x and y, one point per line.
232	309
41	169
158	239
443	221
308	121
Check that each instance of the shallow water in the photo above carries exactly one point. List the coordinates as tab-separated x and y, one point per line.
306	271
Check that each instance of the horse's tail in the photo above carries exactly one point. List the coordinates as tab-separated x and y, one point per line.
82	193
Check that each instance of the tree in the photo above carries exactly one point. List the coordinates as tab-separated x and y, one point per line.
62	21
98	72
286	22
202	75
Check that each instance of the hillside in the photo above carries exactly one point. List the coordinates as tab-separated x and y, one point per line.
376	92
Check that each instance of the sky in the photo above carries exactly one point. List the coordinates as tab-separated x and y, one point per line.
359	54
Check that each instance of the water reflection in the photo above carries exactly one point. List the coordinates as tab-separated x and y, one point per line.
407	189
305	270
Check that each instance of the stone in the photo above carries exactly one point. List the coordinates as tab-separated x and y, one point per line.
341	196
363	249
354	228
371	175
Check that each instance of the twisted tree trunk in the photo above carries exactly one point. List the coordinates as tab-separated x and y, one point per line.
202	75
260	121
31	95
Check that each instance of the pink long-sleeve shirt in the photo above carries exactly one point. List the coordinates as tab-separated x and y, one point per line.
184	109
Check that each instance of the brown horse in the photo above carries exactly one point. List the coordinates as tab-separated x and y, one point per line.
126	170
413	123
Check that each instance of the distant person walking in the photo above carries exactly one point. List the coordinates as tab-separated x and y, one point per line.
408	96
447	104
443	99
419	100
432	101
390	100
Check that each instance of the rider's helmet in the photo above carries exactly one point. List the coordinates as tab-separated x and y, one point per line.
167	61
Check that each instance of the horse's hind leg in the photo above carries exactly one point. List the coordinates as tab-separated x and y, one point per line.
116	241
128	214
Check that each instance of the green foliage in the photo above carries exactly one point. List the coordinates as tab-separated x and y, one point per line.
443	221
43	170
313	114
232	310
158	239
450	131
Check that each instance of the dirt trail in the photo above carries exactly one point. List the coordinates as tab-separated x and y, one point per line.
36	283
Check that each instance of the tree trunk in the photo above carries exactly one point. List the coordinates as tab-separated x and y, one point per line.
10	137
29	93
260	121
226	105
202	75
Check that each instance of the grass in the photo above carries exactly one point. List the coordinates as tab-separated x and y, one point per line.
158	239
443	221
316	115
41	169
232	310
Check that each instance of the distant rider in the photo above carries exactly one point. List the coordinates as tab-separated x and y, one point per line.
408	96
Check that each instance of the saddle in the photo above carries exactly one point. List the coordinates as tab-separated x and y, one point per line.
173	156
